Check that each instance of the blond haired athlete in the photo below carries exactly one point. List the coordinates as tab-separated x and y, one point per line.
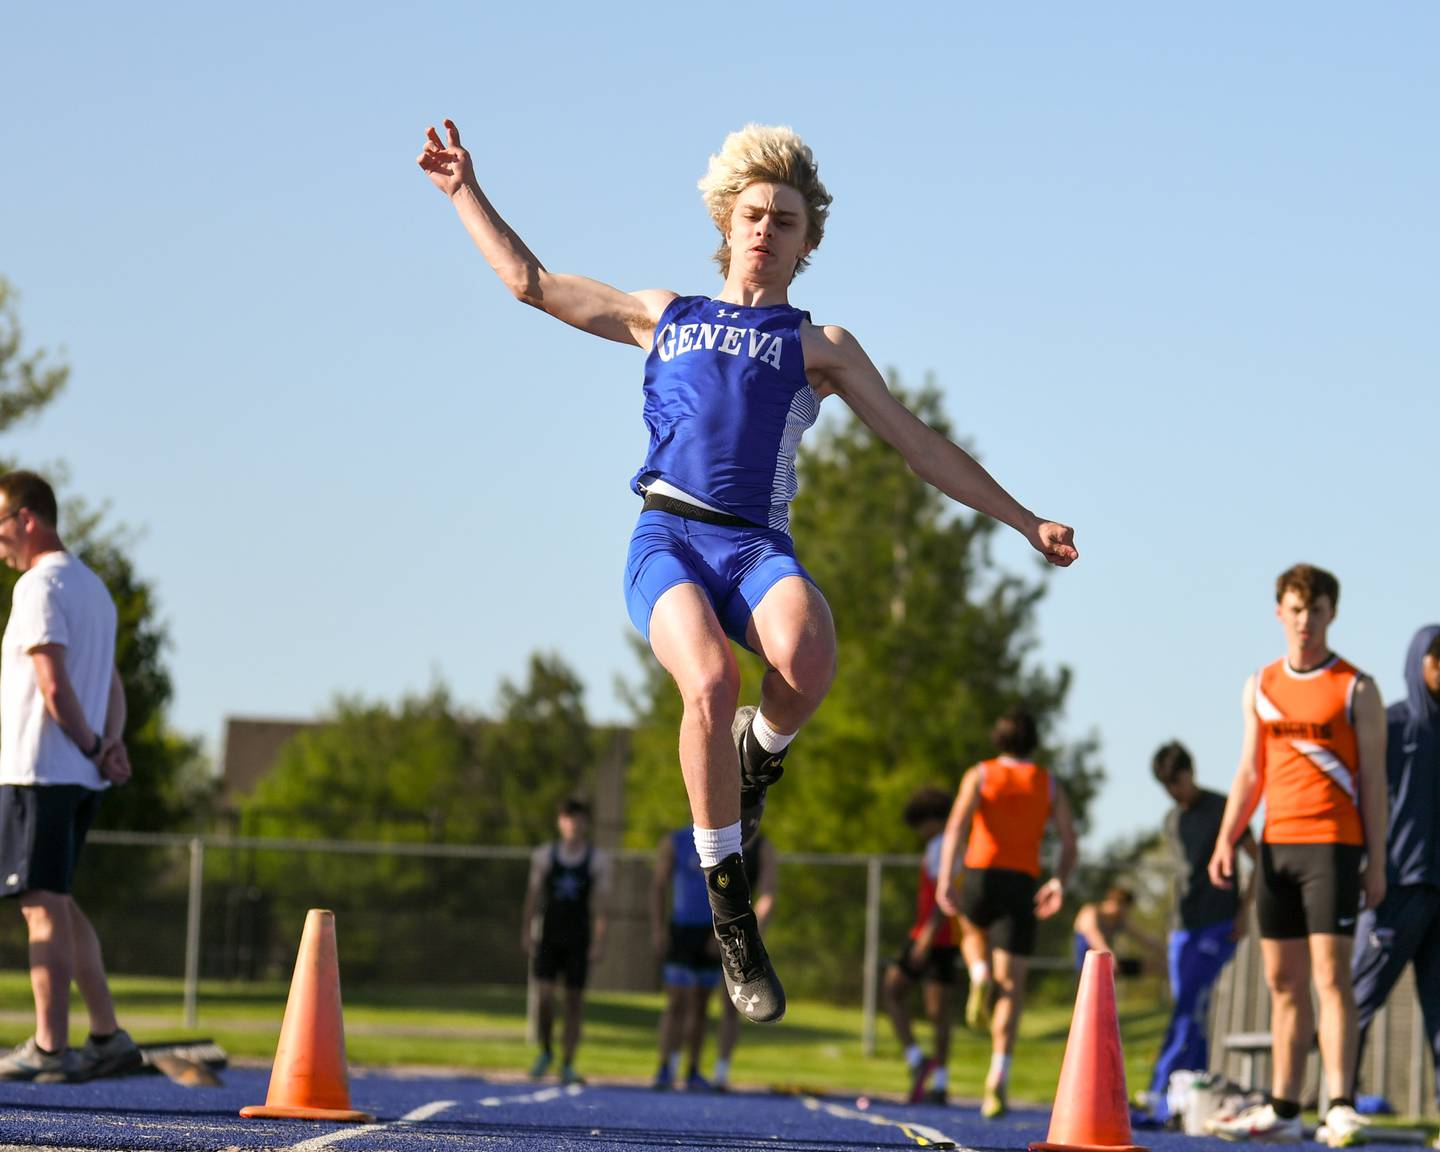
731	384
1314	747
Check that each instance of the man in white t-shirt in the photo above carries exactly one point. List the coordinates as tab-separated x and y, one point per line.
62	715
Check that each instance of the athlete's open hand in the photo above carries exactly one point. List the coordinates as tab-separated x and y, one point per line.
1049	898
1056	542
448	165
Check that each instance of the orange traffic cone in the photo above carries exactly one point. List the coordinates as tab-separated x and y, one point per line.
1091	1111
309	1080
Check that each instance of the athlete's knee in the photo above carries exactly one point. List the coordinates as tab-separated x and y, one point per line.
712	690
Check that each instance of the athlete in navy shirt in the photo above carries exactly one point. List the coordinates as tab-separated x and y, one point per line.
731	383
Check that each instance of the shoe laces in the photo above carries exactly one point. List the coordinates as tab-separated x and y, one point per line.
741	961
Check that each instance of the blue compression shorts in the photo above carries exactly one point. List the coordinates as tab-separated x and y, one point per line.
735	566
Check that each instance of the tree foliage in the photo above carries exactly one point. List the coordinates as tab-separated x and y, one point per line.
935	641
168	787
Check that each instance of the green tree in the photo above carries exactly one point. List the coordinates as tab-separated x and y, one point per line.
169	786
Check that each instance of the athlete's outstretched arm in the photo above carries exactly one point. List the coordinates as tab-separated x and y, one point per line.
1244	796
843	368
626	317
957	834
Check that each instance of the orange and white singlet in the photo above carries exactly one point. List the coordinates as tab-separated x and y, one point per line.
1309	753
1009	821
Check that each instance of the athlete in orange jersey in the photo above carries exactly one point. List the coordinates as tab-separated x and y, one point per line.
1314	748
1000	813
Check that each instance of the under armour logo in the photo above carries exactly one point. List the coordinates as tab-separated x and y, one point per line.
723	314
746	1002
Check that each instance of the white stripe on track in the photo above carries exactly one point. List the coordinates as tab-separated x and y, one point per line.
424	1112
540	1097
923	1135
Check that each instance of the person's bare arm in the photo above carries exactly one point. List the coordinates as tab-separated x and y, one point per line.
1051	894
957	832
767	883
1087	923
839	365
1244	796
659	893
539	868
600	865
61	703
1374	800
590	305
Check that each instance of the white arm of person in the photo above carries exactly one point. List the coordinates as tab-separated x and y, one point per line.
1051	894
1245	794
591	306
837	364
957	832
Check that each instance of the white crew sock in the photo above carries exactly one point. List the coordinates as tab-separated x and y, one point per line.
999	1070
979	972
673	1063
714	844
914	1056
722	1070
940	1080
766	736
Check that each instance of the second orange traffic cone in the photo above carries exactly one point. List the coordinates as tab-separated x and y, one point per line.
1092	1113
310	1080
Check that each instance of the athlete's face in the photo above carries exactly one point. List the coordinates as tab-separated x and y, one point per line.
1430	670
767	232
572	827
1182	789
1305	623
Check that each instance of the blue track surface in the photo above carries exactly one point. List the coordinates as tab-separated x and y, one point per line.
420	1114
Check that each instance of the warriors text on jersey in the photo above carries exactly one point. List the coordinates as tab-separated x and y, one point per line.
726	402
1309	753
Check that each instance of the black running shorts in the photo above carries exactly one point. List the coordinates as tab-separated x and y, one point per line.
42	829
939	966
1308	890
1002	902
569	958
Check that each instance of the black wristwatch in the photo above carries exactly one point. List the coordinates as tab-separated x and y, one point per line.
95	748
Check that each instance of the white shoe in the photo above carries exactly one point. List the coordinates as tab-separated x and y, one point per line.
1343	1127
1259	1123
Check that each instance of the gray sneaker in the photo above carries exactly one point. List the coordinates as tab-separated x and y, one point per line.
27	1062
116	1055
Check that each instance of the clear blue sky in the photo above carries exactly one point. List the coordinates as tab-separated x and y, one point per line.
1174	269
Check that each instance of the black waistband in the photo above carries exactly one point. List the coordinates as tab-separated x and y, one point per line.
655	502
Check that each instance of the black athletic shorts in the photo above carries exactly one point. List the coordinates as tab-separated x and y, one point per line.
939	966
569	958
1308	889
1002	902
42	829
693	960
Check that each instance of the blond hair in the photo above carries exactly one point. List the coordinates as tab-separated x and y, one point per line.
763	154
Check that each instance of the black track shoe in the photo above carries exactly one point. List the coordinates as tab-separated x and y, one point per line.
758	770
752	984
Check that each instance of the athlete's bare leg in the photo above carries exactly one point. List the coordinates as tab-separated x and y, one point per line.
1292	1022
897	988
1008	974
794	633
1339	1032
574	1013
974	945
688	641
938	1008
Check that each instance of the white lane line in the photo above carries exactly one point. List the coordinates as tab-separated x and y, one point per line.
424	1112
922	1134
540	1097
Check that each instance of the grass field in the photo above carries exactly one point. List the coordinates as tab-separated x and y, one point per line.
483	1029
